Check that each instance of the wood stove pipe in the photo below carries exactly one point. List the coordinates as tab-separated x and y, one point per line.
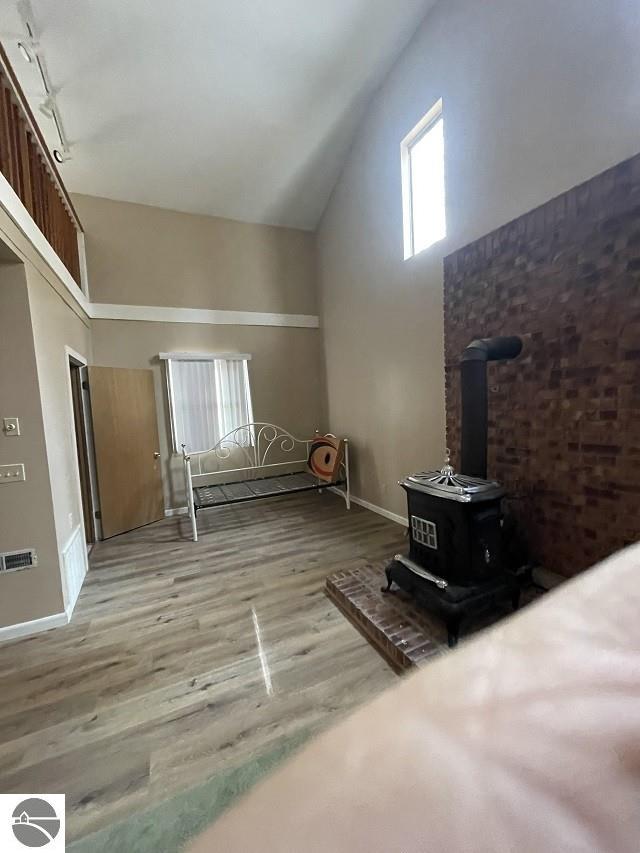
473	371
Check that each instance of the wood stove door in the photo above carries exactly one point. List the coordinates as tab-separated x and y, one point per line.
430	538
486	544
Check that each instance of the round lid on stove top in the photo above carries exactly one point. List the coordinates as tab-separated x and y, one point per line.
446	484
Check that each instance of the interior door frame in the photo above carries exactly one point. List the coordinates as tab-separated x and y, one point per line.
76	359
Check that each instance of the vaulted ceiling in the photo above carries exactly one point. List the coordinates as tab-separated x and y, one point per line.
237	108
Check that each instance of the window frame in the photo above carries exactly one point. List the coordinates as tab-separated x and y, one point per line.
168	357
433	116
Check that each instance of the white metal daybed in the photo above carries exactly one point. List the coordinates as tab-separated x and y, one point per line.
271	453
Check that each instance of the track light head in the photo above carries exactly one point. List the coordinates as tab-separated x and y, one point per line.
24	50
61	155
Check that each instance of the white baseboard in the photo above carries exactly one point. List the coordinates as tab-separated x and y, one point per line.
36	626
178	510
385	513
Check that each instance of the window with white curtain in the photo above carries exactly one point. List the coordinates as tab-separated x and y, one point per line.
209	396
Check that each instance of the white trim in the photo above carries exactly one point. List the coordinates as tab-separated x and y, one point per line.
203	356
178	510
172	403
424	126
71	354
392	516
72	593
162	314
36	626
76	356
10	202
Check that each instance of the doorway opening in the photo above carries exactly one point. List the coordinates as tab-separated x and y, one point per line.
84	449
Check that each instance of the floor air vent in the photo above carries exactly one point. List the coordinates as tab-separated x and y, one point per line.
14	561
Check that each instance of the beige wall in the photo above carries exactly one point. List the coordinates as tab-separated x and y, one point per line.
142	255
537	98
55	327
283	372
50	321
26	509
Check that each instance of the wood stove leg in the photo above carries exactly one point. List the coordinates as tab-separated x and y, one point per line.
453	632
387	588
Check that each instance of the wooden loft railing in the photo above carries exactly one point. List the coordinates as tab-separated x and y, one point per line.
27	164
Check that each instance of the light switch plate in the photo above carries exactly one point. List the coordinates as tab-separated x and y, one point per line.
12	473
11	426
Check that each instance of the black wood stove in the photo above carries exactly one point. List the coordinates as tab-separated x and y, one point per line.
456	565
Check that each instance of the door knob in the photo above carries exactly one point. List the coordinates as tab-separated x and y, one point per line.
156	455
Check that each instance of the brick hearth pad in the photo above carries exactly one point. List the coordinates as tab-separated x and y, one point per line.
405	635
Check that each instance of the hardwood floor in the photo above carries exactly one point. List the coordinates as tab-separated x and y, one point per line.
183	658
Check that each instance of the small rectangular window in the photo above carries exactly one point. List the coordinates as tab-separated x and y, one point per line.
423	191
209	396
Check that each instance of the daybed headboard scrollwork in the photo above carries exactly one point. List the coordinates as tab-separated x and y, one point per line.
258	444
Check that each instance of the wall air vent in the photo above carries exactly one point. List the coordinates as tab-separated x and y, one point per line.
15	561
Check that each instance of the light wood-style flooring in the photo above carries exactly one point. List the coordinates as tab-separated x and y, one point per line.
185	658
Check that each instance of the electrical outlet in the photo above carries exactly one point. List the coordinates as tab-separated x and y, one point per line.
11	426
12	473
70	519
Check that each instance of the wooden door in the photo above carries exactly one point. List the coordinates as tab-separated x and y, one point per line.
125	431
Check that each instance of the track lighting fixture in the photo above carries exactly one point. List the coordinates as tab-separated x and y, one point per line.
31	50
61	155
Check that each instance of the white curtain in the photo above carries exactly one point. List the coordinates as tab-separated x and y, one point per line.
209	399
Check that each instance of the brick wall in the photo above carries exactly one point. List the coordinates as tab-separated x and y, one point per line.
564	419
